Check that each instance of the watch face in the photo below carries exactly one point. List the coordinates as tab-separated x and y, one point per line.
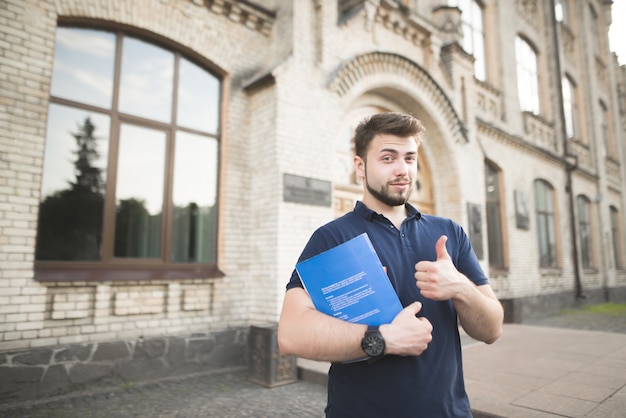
373	345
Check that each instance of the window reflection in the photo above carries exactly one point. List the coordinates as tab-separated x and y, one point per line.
545	224
139	192
527	76
584	228
195	212
83	66
198	98
73	185
147	80
473	33
159	209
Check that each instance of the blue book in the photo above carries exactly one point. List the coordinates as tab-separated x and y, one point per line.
349	283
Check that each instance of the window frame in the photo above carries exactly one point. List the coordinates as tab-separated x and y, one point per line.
527	76
561	11
585	232
473	19
547	226
570	108
496	221
109	268
617	238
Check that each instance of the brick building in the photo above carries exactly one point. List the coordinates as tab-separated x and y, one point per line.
162	163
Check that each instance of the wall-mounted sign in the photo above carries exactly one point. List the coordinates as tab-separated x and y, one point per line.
306	190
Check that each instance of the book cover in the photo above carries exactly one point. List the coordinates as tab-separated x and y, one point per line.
349	282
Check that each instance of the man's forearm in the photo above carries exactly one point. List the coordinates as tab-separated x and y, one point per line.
310	334
480	313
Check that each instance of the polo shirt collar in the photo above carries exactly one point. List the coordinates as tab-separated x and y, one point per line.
367	213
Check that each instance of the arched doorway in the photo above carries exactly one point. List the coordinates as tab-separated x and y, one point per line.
347	186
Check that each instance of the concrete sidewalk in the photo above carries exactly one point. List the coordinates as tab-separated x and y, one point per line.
540	372
531	372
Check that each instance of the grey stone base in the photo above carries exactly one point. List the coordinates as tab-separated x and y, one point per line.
520	309
51	371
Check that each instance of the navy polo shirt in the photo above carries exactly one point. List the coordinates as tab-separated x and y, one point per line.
429	385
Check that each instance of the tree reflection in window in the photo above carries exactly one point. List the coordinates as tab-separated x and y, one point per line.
70	220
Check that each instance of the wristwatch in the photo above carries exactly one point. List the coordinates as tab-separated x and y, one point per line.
373	343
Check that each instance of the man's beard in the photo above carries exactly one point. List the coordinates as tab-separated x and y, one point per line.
386	198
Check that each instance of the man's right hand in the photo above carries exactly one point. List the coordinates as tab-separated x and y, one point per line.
407	335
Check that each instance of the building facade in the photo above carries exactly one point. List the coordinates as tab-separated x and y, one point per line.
162	163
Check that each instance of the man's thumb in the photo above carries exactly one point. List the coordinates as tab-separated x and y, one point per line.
440	247
415	307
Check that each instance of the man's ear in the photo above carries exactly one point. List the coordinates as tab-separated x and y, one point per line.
359	167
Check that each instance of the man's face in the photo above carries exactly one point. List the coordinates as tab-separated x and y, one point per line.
390	169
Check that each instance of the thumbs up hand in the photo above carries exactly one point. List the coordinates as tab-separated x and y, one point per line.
440	280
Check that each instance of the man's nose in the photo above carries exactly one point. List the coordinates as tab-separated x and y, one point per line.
402	167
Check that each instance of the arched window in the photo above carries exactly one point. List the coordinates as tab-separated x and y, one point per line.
561	11
527	76
546	224
495	230
473	34
129	185
570	108
584	231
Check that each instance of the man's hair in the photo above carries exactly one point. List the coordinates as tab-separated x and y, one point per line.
389	123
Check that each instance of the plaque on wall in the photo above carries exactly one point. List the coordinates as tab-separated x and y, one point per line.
306	190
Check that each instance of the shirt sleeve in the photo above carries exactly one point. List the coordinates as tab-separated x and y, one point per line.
466	261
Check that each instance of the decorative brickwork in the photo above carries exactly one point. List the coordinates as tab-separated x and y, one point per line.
248	14
378	64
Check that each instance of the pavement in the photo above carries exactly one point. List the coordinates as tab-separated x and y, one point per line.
547	368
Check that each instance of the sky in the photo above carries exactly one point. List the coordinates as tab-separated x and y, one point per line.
617	31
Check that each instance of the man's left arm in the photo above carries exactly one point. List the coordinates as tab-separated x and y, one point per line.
480	313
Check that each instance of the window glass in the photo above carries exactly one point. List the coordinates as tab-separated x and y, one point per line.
527	76
545	224
73	185
146	80
198	98
84	61
570	108
136	179
494	217
473	34
195	211
593	30
618	242
139	192
560	11
584	231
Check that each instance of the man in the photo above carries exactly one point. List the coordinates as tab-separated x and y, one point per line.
414	367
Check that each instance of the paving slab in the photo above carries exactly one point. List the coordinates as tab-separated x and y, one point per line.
548	372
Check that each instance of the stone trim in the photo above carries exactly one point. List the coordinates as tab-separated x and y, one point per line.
250	15
379	63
